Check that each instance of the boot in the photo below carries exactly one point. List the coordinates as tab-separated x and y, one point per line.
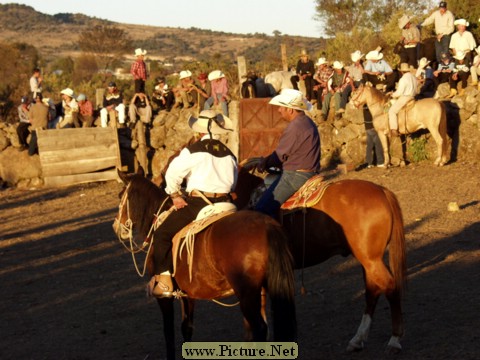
453	92
160	286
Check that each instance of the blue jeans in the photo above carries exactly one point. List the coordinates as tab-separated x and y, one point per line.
281	189
441	47
223	103
373	143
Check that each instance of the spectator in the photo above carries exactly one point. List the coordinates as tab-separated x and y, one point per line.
323	74
139	71
70	110
305	71
219	91
204	89
356	69
185	92
410	39
406	90
52	113
162	97
140	105
39	116
444	70
462	40
378	71
23	127
112	105
85	113
475	68
460	72
36	83
444	28
339	86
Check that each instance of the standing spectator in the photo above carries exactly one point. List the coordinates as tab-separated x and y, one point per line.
445	69
112	105
204	90
36	83
139	71
22	128
38	116
339	86
374	145
323	74
444	28
305	71
70	110
410	39
378	71
356	69
462	40
85	113
475	68
162	97
219	91
460	72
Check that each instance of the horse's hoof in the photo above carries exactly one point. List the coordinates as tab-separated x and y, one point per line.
353	346
390	350
393	346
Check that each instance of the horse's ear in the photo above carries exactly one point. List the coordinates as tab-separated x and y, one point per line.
123	176
140	171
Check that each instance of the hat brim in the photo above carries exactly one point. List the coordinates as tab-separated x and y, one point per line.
285	101
200	124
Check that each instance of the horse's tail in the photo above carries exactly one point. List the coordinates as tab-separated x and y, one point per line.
281	284
397	255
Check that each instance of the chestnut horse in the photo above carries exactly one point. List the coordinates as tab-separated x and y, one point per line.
239	254
353	217
425	114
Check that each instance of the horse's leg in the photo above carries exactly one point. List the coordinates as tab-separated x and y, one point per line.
187	318
439	161
394	299
166	306
250	304
263	310
384	141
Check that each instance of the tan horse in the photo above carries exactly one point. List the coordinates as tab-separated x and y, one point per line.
424	114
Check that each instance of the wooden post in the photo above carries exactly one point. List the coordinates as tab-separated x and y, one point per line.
242	71
283	49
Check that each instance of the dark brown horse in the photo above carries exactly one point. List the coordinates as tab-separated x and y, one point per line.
240	254
354	217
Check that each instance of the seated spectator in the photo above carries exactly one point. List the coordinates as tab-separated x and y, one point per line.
305	71
186	91
475	68
23	127
410	39
339	86
219	91
462	40
140	105
204	90
162	97
39	116
356	69
444	70
85	113
112	106
70	110
460	72
378	71
321	77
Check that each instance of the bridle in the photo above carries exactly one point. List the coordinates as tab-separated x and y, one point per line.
357	96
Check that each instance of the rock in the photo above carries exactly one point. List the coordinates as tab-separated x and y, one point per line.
16	166
453	206
443	90
4	140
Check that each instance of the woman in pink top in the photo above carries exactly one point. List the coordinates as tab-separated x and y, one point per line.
219	91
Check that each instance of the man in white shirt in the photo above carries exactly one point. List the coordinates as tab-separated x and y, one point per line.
406	90
210	169
444	28
36	83
462	40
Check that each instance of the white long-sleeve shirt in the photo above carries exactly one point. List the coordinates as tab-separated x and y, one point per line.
443	23
407	86
462	41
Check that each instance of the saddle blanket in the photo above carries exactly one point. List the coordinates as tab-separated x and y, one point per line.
308	195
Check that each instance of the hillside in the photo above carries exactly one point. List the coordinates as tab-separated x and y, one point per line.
55	36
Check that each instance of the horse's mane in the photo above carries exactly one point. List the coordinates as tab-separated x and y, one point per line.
377	95
145	198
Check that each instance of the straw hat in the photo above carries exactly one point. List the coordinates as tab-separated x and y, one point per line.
209	121
321	61
292	99
374	55
337	65
68	92
303	53
461	22
423	62
404	67
404	20
185	74
460	55
216	74
356	55
140	52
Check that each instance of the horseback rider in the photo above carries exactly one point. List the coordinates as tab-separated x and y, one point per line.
406	90
210	169
297	153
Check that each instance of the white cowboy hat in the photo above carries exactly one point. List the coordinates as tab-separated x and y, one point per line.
321	61
337	65
292	99
81	97
374	55
404	20
461	22
460	55
139	52
216	74
423	62
185	74
68	92
356	55
46	101
210	121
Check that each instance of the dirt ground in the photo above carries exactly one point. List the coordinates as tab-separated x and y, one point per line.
69	289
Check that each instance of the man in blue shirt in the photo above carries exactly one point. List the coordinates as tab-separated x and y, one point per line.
378	71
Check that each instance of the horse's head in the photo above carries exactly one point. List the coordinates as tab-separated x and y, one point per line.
359	96
247	183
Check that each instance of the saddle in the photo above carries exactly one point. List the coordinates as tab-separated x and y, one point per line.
185	238
308	195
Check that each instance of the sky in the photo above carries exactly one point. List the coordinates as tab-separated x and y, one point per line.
290	17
